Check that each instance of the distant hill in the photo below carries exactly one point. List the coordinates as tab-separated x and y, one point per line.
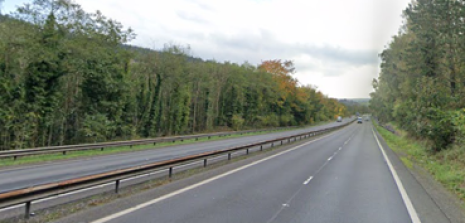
356	105
143	51
351	101
348	102
359	100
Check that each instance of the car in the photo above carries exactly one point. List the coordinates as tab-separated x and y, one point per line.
339	119
359	120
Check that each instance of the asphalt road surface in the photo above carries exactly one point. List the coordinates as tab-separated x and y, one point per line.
31	175
341	177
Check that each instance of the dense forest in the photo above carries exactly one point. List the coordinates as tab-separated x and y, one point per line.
68	76
421	84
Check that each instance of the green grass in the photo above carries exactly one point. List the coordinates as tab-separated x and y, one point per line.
446	166
113	150
110	150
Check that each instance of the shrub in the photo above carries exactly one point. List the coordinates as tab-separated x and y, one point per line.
237	122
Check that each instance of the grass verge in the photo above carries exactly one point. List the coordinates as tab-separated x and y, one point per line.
446	166
113	150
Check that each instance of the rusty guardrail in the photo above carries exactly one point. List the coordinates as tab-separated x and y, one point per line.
27	195
64	149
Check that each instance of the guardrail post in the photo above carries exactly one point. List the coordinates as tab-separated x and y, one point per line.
117	186
247	151
27	212
205	163
154	143
196	138
101	149
261	147
130	146
281	142
15	157
209	137
229	156
170	174
64	152
272	144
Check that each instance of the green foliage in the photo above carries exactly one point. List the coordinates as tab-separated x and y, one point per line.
237	122
439	130
419	86
96	128
457	119
271	120
447	166
68	77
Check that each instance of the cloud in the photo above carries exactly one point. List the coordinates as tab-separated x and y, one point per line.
202	5
338	54
264	45
334	44
192	17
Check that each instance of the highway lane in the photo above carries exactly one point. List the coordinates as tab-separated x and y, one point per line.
23	177
342	177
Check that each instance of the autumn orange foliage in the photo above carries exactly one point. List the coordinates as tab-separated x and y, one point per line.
281	72
301	95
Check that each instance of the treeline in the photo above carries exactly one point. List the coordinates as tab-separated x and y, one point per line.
421	84
354	106
67	77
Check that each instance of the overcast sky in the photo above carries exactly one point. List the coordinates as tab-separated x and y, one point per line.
334	43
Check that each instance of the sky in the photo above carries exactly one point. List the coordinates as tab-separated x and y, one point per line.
334	44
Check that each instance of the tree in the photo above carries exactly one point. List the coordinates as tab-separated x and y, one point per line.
68	77
419	85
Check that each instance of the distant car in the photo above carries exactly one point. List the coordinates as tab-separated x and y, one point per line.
359	120
367	119
339	119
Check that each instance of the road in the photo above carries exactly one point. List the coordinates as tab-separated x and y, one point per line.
342	177
30	175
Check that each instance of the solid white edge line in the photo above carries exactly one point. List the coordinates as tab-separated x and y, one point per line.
408	203
180	191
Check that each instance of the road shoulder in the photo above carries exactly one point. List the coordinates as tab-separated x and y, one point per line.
431	200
